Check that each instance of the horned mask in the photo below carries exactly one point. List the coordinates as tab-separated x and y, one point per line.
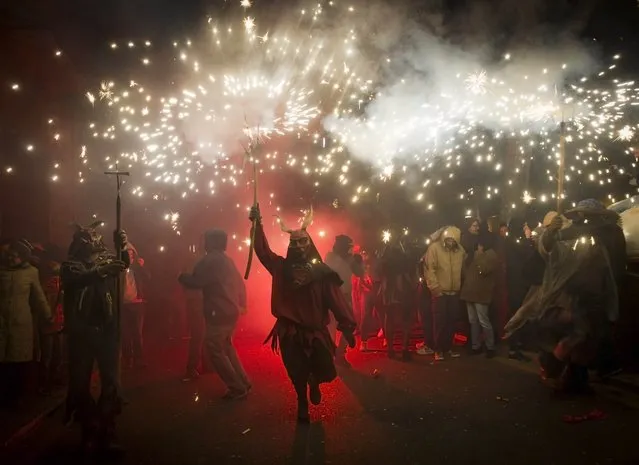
300	245
86	241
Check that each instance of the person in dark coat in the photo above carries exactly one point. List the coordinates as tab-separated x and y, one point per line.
223	301
478	291
397	295
304	290
91	320
591	217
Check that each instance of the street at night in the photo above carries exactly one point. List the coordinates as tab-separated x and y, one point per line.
470	410
210	211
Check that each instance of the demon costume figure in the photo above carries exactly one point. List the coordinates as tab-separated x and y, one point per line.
304	289
89	280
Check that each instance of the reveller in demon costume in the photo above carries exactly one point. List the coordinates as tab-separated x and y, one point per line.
304	289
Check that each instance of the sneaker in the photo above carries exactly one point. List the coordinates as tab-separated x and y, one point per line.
380	333
439	357
452	354
476	351
425	350
419	345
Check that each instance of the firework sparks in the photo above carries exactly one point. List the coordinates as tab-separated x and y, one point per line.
476	83
249	24
626	133
280	84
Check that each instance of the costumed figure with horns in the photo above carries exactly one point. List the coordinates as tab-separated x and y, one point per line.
304	290
89	280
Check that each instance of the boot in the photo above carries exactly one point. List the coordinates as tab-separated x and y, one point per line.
314	392
88	441
302	411
106	445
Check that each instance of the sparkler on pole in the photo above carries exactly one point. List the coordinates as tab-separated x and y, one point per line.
254	143
562	165
119	283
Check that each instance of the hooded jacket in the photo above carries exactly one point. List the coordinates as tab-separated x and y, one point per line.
22	305
444	266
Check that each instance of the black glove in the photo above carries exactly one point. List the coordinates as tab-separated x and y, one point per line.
113	268
350	338
183	277
254	214
121	237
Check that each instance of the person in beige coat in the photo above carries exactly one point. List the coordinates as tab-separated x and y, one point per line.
477	291
22	304
444	265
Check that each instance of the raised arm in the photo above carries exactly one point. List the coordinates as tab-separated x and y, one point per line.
261	247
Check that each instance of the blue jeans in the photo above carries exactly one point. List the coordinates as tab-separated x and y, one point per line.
479	319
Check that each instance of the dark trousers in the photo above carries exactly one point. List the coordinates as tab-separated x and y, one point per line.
51	347
86	347
426	315
368	327
397	315
305	364
219	344
445	310
195	319
132	332
13	378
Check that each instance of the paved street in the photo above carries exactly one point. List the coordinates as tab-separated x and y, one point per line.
466	411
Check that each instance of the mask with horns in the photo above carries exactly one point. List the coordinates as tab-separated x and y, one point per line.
300	246
86	241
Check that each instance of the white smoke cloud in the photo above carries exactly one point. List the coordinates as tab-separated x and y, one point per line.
440	79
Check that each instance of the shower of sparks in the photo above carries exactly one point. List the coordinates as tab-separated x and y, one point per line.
476	83
386	236
309	88
527	198
249	24
626	133
106	90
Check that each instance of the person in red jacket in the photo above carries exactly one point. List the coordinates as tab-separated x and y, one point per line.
304	289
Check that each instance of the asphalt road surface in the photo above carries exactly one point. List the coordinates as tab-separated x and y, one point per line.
466	411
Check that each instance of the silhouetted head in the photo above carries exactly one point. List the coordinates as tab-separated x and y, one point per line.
215	240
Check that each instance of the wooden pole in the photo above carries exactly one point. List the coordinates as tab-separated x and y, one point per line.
562	166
